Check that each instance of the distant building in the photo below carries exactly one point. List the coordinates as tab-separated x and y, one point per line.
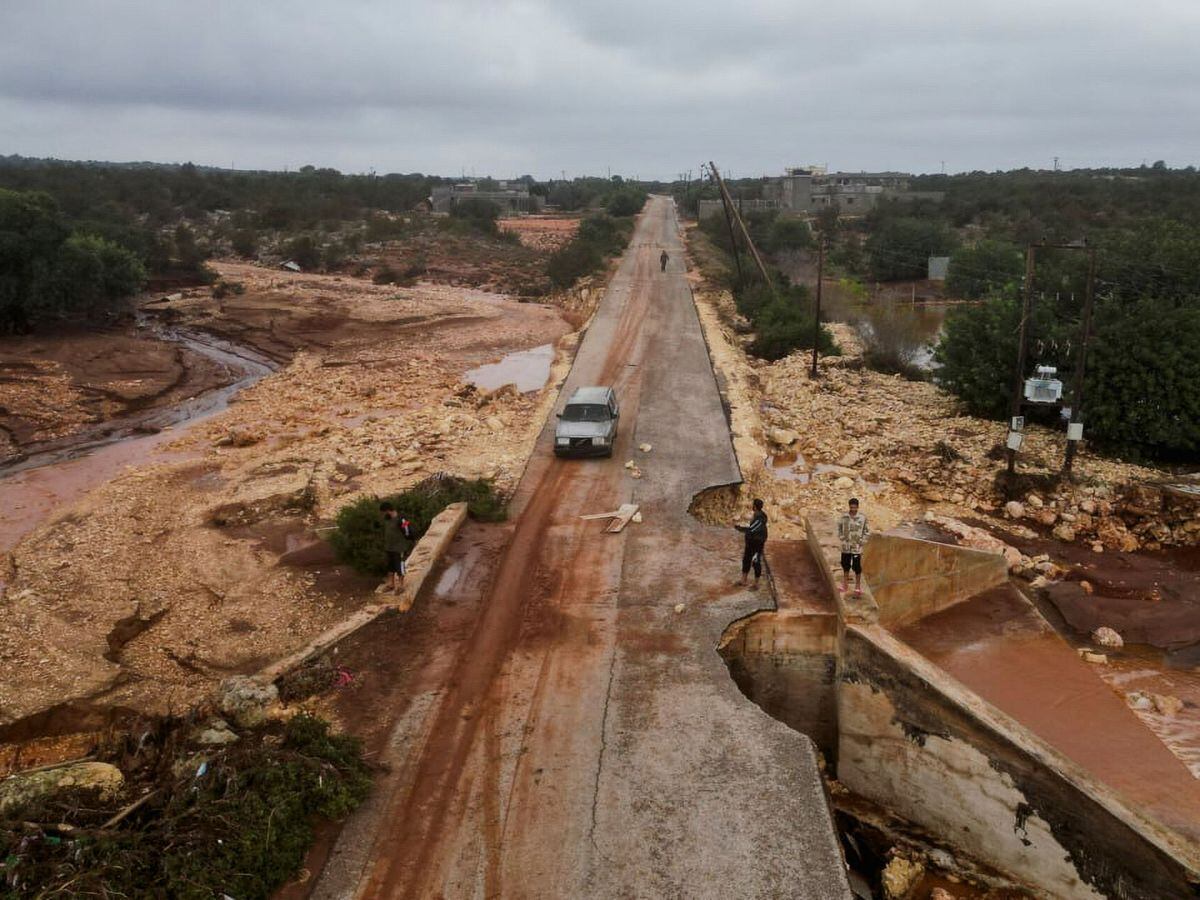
804	190
510	201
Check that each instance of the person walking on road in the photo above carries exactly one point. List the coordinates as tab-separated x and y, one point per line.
663	260
397	544
853	532
756	539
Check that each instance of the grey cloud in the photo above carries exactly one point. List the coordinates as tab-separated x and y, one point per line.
646	87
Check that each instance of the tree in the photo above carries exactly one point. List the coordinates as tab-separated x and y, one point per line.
900	248
245	242
626	202
480	214
89	278
1143	380
304	251
31	231
787	233
984	269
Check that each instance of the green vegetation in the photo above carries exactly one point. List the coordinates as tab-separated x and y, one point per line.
627	201
985	269
49	272
358	537
234	821
899	247
782	320
598	237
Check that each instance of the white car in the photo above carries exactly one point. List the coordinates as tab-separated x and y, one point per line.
587	425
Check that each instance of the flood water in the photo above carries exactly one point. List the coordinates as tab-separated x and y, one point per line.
529	370
49	479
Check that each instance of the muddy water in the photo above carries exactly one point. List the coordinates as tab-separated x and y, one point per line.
56	476
529	370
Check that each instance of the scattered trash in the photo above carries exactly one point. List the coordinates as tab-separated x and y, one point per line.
201	769
343	677
637	517
1093	657
621	517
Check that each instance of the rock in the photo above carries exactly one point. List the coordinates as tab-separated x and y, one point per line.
1046	517
844	483
1166	704
214	733
1035	501
637	517
940	894
246	700
1086	587
1093	657
1014	509
679	607
1107	637
1064	533
783	437
850	460
900	876
1138	700
1088	506
645	448
238	437
101	779
629	464
1097	547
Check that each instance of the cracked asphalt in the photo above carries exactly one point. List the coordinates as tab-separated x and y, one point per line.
550	726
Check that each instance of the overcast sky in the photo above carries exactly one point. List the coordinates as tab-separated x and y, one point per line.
646	87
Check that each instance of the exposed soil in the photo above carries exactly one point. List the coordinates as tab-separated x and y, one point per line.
433	254
56	387
209	543
545	233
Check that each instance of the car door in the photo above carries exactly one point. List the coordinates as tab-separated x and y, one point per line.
616	414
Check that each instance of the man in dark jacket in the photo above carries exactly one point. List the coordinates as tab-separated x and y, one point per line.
397	544
756	540
663	260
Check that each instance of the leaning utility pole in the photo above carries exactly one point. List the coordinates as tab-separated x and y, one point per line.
728	201
817	316
737	256
1019	381
1075	434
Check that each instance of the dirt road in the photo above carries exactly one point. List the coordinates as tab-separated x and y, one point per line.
551	726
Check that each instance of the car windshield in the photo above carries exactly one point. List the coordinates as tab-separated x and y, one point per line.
586	412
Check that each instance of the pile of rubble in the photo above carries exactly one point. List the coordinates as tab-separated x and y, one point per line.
906	447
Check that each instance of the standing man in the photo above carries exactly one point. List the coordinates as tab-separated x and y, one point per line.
397	542
756	540
663	260
853	533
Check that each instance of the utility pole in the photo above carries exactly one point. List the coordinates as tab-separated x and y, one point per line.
737	257
817	315
762	268
1074	434
1019	381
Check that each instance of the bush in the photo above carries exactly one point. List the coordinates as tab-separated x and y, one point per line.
358	536
245	243
892	343
304	251
900	248
984	270
788	234
479	214
626	202
1142	390
782	321
598	236
241	828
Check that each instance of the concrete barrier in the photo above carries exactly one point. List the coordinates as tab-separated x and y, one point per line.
911	578
421	562
916	741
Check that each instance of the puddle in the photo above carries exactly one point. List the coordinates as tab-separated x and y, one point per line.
788	466
447	579
529	370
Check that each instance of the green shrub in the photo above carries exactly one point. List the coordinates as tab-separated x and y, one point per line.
240	828
782	321
304	251
479	214
900	247
788	233
357	539
626	202
984	270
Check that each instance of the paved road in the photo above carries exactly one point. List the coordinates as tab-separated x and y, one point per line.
554	728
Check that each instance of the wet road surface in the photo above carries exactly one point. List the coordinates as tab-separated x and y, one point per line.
552	727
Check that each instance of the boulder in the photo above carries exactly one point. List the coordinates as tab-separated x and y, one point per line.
844	483
246	700
101	779
783	437
1107	637
1014	509
214	733
1035	501
1064	533
1166	704
850	460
